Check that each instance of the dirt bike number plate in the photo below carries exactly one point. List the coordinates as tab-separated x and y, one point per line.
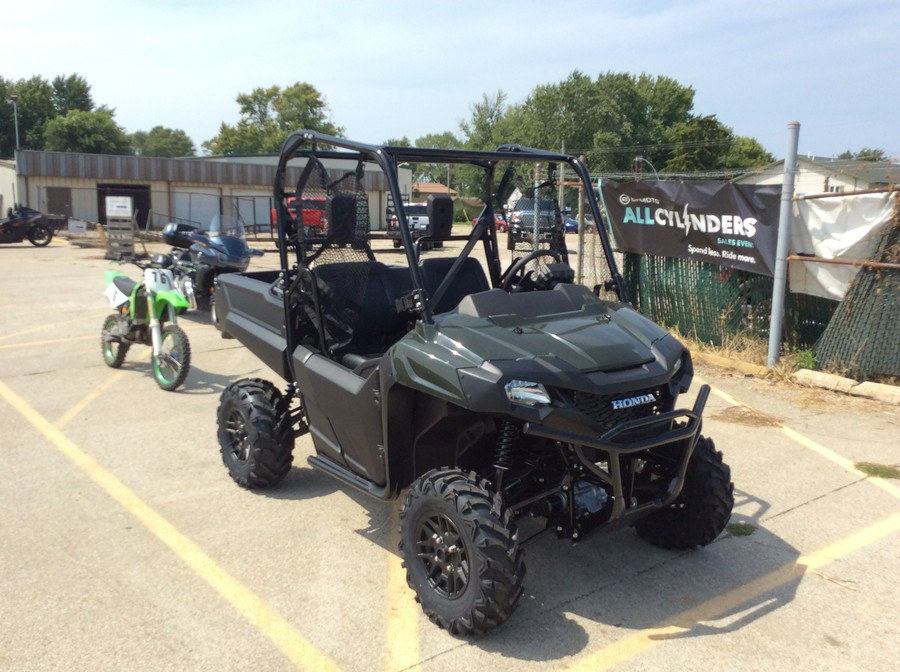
115	297
158	280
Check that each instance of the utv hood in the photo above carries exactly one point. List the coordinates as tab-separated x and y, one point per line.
568	325
565	338
586	342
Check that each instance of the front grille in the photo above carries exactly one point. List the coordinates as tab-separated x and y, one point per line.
611	410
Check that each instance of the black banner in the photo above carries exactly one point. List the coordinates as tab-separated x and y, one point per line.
722	223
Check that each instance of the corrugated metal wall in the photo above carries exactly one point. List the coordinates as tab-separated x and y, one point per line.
171	182
68	165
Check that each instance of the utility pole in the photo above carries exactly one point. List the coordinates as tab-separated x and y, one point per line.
12	99
784	239
537	205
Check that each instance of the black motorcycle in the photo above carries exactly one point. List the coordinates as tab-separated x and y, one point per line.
200	256
25	223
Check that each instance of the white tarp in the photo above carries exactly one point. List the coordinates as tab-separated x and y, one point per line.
839	227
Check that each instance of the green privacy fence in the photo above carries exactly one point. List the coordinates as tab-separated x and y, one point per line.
712	303
858	337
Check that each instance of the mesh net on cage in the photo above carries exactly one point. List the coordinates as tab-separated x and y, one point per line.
334	244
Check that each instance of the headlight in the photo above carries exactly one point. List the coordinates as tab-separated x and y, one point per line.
526	392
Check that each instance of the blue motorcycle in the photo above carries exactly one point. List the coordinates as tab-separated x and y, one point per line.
201	256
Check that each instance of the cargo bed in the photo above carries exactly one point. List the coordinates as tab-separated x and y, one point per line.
249	307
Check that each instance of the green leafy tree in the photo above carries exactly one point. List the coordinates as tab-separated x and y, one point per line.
865	154
609	120
70	93
35	109
7	119
268	116
484	129
491	123
398	142
90	132
698	145
636	116
161	141
432	172
747	153
41	102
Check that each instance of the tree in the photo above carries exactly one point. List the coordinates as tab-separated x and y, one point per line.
482	130
609	120
746	153
865	154
434	172
89	132
7	120
41	103
398	142
268	116
699	144
70	93
35	109
161	141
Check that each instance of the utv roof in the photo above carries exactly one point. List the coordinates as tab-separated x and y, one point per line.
327	146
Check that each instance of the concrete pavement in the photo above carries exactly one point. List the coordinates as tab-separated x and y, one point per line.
126	545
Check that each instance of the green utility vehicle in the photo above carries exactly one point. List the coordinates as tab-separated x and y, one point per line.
496	401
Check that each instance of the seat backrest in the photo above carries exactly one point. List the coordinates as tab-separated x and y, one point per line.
469	280
345	238
440	216
358	304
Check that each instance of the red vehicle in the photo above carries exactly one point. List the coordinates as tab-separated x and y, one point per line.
311	214
500	223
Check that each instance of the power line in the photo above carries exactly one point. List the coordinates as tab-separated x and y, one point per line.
649	148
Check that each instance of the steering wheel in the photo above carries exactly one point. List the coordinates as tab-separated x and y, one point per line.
512	274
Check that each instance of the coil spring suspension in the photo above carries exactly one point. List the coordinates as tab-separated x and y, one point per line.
507	437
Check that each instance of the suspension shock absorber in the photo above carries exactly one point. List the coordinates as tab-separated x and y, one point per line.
507	437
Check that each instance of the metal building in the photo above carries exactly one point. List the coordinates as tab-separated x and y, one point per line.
189	190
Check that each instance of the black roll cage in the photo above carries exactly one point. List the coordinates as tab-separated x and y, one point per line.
312	144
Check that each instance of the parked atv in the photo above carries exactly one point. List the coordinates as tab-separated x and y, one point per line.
25	223
489	399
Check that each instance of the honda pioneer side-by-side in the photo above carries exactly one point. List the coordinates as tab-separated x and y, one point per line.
494	399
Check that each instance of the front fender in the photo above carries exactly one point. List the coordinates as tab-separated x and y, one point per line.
168	298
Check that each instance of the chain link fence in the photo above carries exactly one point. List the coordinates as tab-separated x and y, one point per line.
862	340
858	337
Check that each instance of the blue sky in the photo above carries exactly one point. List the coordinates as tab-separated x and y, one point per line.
393	69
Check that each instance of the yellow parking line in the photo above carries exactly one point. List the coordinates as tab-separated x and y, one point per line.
401	620
816	447
42	327
270	623
634	645
640	642
54	341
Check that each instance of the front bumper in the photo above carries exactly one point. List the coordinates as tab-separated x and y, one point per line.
678	429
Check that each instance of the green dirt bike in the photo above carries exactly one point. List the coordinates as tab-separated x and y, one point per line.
146	313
